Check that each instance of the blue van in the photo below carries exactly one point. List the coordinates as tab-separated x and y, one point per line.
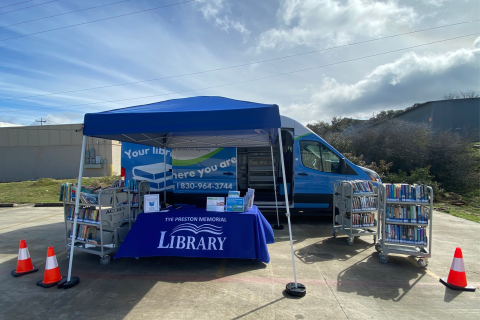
311	168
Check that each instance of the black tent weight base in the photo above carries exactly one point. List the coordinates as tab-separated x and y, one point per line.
300	290
68	284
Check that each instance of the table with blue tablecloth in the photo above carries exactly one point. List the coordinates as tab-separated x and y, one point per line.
194	232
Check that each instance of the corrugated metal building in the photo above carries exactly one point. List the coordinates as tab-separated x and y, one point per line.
457	115
53	151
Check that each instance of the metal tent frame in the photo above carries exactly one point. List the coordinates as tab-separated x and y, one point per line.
223	137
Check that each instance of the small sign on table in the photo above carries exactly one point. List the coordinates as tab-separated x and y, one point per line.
151	203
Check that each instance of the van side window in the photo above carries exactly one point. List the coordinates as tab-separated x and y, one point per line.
318	157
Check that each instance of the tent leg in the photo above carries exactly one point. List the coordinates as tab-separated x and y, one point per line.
278	226
296	289
73	281
164	175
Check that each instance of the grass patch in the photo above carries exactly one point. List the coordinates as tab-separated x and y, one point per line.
43	190
470	210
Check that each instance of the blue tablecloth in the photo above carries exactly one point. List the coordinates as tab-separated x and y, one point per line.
194	232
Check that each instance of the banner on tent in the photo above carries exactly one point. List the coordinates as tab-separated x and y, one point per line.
204	170
189	170
147	163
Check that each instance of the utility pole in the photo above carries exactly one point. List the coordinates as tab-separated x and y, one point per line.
41	121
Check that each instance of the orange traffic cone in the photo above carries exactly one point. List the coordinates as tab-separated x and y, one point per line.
52	272
457	278
24	263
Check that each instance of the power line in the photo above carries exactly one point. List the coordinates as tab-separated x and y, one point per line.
35	5
238	65
103	19
23	115
61	14
10	5
268	77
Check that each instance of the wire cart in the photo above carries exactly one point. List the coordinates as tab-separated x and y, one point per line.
355	211
411	237
113	210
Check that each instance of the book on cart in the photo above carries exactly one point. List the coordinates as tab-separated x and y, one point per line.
105	215
400	192
355	209
406	221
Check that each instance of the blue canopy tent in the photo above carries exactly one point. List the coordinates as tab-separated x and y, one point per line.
189	122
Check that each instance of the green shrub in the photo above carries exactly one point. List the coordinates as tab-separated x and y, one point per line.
418	176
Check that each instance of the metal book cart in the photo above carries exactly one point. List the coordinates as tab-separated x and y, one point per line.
386	245
356	217
113	211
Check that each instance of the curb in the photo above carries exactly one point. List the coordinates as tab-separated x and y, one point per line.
48	204
7	205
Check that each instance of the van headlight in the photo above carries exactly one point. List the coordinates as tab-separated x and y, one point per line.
373	175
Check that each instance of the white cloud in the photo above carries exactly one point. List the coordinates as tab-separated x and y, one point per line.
411	78
319	22
437	3
218	12
476	43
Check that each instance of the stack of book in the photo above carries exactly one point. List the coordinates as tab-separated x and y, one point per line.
90	215
366	219
364	204
88	198
360	187
68	192
132	185
406	234
410	214
404	192
84	232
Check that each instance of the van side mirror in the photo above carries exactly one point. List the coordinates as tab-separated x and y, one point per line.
343	166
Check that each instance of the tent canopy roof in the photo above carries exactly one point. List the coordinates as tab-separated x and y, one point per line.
189	122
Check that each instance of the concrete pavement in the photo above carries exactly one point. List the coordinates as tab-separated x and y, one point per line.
343	282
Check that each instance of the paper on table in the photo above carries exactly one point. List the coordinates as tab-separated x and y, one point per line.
216	204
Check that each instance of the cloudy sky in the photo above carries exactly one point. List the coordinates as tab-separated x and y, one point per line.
315	59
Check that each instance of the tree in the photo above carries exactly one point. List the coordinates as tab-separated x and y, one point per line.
385	115
337	124
462	94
